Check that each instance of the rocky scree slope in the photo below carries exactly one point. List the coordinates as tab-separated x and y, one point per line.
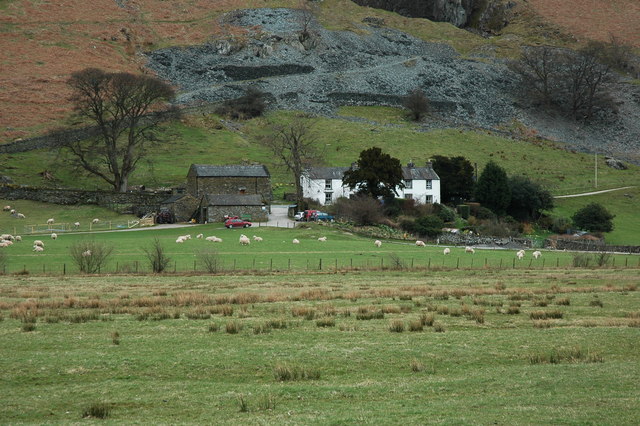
333	68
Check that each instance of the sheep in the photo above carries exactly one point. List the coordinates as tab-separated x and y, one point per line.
200	236
50	221
377	243
38	243
295	241
536	254
86	253
94	221
520	255
38	248
244	240
256	238
20	216
214	239
446	251
180	240
12	211
469	250
187	237
6	237
18	238
54	236
5	243
76	225
6	208
420	244
322	239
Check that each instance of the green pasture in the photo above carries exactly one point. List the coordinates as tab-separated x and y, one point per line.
197	139
217	349
343	251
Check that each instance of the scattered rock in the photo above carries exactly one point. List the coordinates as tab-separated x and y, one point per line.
615	164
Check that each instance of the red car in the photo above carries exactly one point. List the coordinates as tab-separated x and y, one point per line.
237	223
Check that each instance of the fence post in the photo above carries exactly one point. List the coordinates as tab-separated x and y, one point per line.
194	265
64	269
254	264
485	261
626	262
514	263
320	264
412	263
336	265
117	267
500	263
543	263
175	264
472	262
381	262
234	264
271	265
429	265
458	264
557	262
136	266
289	263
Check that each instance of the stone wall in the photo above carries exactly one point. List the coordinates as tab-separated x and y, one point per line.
476	240
230	186
560	244
50	140
138	203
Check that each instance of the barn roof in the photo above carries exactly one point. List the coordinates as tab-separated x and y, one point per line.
207	170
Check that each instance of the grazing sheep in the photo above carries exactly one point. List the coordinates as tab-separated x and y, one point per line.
38	243
536	254
50	221
94	221
447	250
214	239
54	236
18	238
12	211
322	239
38	248
256	238
244	240
5	243
377	243
76	225
6	237
520	255
6	208
180	240
295	241
20	216
86	253
469	250
200	236
420	244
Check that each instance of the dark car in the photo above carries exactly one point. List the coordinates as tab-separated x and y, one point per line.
237	223
323	217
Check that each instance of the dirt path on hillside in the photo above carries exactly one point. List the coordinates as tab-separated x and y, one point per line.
584	194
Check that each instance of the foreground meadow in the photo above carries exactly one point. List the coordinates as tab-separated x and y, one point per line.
457	346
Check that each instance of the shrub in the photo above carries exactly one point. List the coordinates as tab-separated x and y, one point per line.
416	365
427	319
233	327
361	210
326	322
556	356
438	328
445	213
417	103
158	259
213	327
416	325
581	260
561	225
288	373
210	259
115	337
602	258
90	256
563	301
594	218
430	226
596	303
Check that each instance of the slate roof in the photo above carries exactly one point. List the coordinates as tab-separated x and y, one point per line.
408	173
233	200
174	198
206	170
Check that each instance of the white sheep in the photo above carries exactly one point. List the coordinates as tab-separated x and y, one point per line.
38	248
76	225
6	208
38	243
54	236
180	240
20	216
244	240
12	211
256	238
420	244
446	251
94	221
18	238
469	250
4	243
295	241
322	239
377	243
86	253
214	239
536	254
50	221
6	237
200	236
520	255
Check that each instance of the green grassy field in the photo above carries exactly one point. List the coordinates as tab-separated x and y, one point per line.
466	347
343	251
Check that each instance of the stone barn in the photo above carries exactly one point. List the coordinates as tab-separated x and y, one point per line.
203	180
215	207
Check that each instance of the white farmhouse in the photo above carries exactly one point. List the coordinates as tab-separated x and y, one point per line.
324	184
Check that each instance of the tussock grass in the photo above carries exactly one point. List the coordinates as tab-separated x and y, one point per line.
396	326
596	303
115	337
213	327
542	315
233	327
564	301
326	322
416	325
513	310
427	319
293	372
438	328
542	324
97	410
416	366
570	355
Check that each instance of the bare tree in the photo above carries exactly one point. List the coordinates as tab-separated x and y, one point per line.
308	11
295	147
125	109
417	103
539	68
158	259
90	256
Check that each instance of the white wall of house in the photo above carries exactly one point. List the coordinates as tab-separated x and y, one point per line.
324	191
327	191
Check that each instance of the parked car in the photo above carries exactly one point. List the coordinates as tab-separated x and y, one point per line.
298	216
307	215
237	223
323	217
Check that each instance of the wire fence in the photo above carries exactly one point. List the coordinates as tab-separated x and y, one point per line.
44	228
262	265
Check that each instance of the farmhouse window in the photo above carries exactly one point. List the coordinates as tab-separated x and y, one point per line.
328	196
429	184
429	199
408	184
408	196
327	184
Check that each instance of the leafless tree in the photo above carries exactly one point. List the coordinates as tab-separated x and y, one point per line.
417	103
308	11
125	108
90	256
295	146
